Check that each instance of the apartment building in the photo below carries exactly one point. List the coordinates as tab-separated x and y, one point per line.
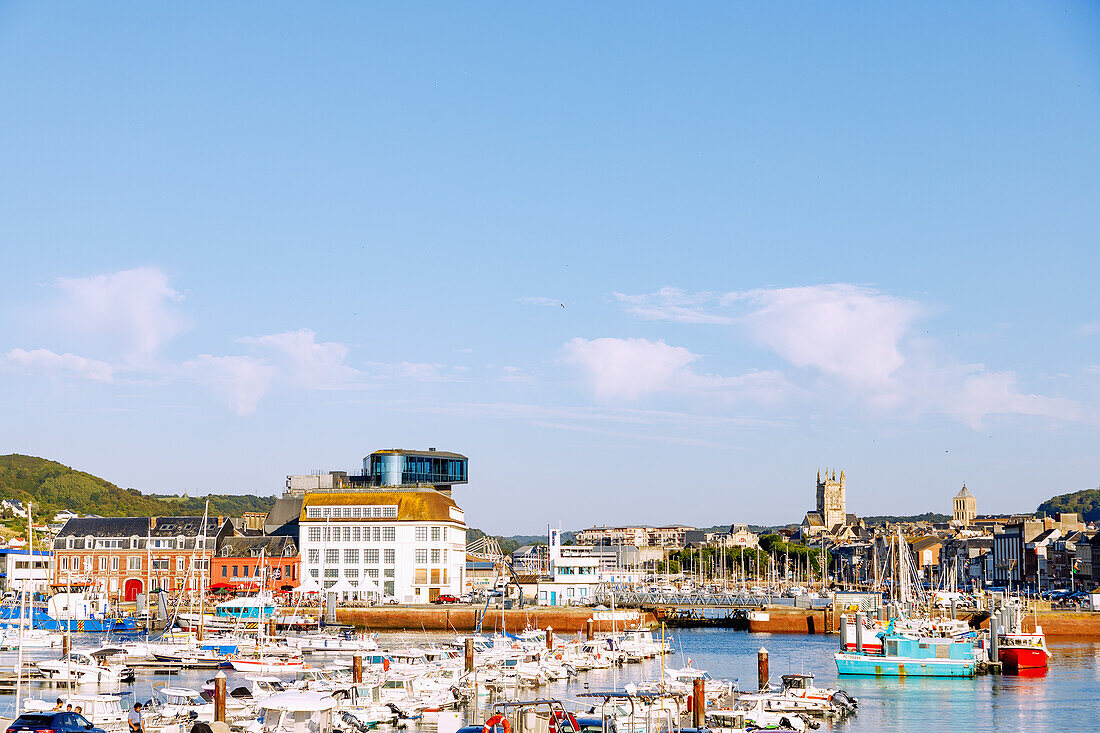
409	544
125	556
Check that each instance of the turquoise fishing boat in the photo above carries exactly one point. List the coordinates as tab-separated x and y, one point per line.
903	656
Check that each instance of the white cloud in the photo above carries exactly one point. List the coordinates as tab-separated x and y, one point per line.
631	368
44	361
241	380
628	368
1090	329
850	332
133	311
673	304
306	363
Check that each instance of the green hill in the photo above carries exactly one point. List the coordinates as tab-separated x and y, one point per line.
1085	502
51	486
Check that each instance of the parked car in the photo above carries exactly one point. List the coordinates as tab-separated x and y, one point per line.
446	598
60	722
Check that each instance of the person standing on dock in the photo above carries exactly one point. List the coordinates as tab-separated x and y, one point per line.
134	719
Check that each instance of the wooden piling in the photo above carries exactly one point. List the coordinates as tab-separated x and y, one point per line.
762	673
588	630
219	696
469	655
357	668
698	702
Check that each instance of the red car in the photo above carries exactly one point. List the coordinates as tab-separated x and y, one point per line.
446	598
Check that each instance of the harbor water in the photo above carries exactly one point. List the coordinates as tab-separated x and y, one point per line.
1062	697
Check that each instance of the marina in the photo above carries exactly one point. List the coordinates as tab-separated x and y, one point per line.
983	703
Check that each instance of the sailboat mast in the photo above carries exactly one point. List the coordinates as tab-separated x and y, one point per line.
23	611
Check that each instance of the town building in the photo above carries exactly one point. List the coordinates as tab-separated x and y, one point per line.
15	506
738	535
246	562
639	535
1019	548
964	507
926	551
126	556
391	531
26	570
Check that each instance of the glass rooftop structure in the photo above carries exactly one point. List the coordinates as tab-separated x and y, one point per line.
413	468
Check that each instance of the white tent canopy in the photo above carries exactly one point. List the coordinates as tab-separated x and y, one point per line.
309	585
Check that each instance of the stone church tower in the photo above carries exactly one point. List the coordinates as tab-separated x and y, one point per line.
964	508
830	499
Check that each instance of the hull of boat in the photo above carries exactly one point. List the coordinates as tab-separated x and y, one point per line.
1023	657
882	666
265	666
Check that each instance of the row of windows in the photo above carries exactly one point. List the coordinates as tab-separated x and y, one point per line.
66	563
351	573
123	543
274	573
351	534
353	512
351	557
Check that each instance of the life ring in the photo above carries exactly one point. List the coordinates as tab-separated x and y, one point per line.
493	721
558	656
560	715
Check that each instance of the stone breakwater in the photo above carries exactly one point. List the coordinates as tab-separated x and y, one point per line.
465	618
774	620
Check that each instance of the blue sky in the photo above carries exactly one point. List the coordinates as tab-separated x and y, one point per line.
646	263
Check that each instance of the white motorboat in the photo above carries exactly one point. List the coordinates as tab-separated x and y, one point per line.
294	712
102	711
85	668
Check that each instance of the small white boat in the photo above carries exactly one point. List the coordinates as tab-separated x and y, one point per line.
267	665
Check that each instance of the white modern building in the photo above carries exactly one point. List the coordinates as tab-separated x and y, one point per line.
405	543
573	577
26	570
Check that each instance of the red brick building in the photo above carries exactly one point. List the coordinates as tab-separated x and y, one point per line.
125	556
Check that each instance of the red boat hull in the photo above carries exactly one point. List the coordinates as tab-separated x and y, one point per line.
1022	658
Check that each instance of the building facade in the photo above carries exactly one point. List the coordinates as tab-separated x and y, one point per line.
246	562
964	507
641	535
404	543
125	556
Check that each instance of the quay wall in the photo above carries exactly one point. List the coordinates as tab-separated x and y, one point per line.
464	619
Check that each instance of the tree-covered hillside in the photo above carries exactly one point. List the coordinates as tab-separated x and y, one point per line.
1085	502
52	486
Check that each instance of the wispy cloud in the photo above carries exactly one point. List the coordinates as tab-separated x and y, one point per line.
673	304
415	371
241	380
306	363
1090	329
538	300
46	362
862	341
631	368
